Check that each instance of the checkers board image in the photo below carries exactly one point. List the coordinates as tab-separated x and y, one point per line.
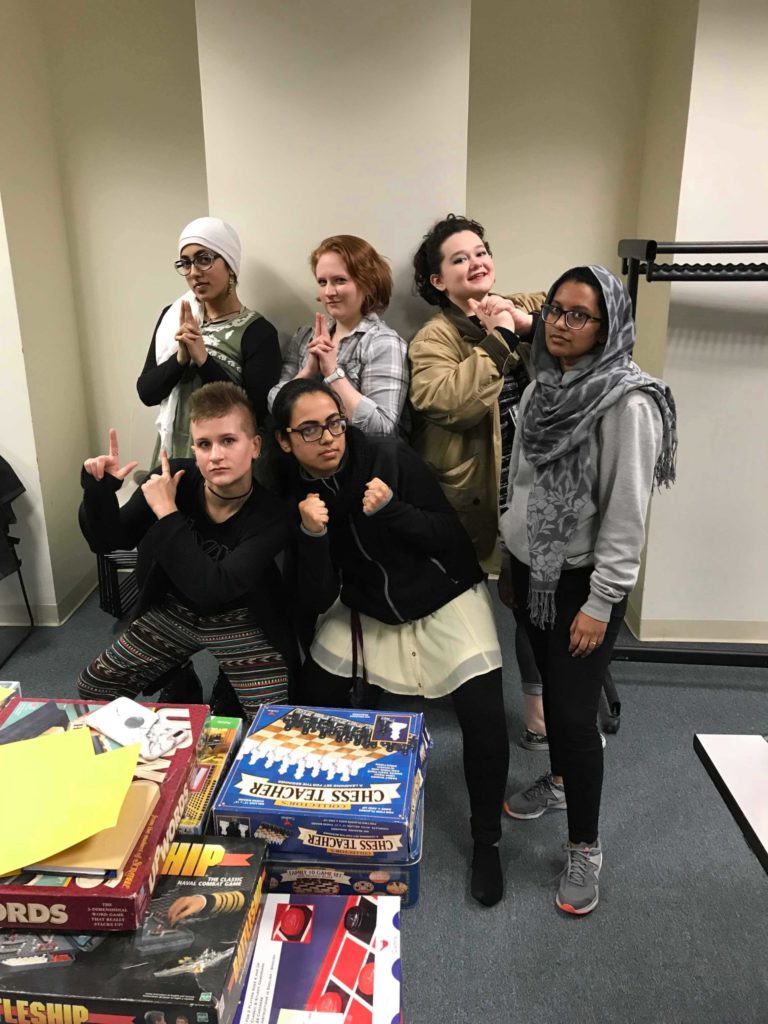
325	958
330	783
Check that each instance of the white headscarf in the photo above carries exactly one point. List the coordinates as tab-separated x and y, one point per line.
222	239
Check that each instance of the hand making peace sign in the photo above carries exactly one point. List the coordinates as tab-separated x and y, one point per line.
160	489
101	464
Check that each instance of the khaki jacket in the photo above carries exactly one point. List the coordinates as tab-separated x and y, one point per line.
457	373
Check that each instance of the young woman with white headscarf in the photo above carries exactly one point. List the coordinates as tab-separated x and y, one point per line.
207	334
596	434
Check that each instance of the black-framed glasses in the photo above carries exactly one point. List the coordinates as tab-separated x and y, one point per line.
574	318
314	431
203	260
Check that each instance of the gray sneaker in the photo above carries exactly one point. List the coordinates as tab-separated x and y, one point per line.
579	892
531	740
543	795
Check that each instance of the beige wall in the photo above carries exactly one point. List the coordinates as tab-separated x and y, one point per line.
102	163
128	122
332	117
18	448
664	130
708	547
37	246
557	103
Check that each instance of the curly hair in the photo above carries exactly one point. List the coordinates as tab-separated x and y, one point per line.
366	267
219	398
429	255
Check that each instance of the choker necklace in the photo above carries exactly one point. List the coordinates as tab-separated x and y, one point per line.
223	497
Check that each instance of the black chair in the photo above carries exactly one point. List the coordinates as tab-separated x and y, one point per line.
11	637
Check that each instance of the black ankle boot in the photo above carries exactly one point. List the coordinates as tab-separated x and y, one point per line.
224	700
487	885
180	685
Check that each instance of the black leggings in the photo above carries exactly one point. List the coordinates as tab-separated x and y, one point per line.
571	694
479	705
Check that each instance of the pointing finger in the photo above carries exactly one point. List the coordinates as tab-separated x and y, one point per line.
113	448
164	464
121	474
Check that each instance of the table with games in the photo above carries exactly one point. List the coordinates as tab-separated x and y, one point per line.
264	883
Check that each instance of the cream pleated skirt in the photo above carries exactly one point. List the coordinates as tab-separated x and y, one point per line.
427	657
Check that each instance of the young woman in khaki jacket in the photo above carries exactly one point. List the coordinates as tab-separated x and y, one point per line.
467	374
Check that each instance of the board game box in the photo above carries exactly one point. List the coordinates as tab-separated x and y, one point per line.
325	958
218	745
328	783
186	963
9	693
304	875
43	902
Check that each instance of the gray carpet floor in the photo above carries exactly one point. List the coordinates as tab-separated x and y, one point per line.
681	932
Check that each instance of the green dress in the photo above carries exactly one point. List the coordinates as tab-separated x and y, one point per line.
223	342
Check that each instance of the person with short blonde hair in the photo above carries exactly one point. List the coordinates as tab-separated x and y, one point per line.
207	536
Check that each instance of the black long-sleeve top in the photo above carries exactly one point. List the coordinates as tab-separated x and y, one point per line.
261	363
211	567
403	562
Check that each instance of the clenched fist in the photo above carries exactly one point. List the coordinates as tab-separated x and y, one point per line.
376	496
314	513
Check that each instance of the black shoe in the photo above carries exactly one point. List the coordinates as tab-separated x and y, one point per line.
181	685
487	884
224	700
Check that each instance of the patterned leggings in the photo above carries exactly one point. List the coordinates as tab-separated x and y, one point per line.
168	634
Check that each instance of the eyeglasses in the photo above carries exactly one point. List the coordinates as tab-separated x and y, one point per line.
574	318
202	260
314	431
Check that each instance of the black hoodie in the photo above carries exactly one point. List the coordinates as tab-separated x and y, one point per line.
403	562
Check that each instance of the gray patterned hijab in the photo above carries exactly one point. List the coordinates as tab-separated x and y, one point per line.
559	421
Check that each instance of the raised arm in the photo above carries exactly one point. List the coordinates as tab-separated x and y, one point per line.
105	525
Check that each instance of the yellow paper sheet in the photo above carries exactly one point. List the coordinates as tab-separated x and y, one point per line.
56	792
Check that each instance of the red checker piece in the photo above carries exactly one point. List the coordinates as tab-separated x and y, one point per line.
329	1002
294	921
365	981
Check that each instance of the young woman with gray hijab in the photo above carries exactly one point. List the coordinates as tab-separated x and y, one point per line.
595	435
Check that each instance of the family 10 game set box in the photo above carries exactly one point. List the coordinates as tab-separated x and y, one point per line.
303	876
327	783
325	958
65	902
186	964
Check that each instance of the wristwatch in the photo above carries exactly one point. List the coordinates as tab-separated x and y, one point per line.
338	374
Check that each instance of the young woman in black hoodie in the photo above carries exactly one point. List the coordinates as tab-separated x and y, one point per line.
381	556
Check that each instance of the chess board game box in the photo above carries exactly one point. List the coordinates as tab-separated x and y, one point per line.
328	784
304	876
46	902
321	958
187	962
219	742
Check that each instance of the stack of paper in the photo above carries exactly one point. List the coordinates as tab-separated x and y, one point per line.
65	797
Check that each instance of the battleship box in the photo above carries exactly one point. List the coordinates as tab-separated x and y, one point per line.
328	784
325	958
186	964
48	902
